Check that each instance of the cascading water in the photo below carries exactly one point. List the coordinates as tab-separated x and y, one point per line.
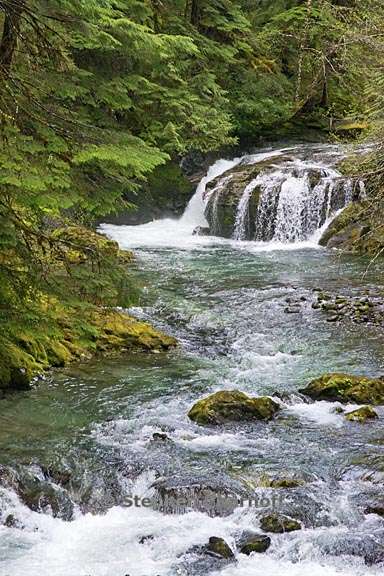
84	440
294	209
194	212
243	210
294	195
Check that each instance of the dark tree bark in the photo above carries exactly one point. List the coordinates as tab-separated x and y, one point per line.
195	12
11	31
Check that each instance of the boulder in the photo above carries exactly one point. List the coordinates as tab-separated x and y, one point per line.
219	547
284	483
232	406
201	231
361	415
160	437
251	543
346	388
225	192
378	510
277	524
348	217
357	229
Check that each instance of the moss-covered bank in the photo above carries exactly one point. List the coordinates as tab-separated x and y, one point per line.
79	334
72	315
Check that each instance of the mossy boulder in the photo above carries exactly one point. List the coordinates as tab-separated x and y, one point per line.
336	387
118	331
232	406
18	366
349	216
358	229
362	415
255	543
278	523
219	547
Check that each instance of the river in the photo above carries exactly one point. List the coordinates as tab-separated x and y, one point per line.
84	435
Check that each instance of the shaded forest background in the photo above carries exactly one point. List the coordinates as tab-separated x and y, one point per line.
100	100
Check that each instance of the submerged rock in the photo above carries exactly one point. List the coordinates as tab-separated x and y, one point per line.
366	307
202	231
278	524
346	388
362	414
254	543
232	406
160	437
283	483
219	547
378	510
217	496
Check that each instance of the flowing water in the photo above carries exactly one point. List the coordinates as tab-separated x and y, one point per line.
300	190
82	441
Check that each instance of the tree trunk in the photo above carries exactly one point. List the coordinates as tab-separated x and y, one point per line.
11	32
195	12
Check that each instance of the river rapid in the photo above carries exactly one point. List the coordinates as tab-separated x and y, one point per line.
82	440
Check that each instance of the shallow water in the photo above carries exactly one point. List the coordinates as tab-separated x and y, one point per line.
225	301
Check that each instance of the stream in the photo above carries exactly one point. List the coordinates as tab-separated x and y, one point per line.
79	447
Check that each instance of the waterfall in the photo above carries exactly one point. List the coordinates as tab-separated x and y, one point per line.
194	212
283	195
215	194
243	211
293	208
294	198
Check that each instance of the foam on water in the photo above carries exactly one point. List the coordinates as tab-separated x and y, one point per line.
322	412
109	545
256	360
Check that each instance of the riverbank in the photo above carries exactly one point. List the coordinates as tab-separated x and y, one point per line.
75	317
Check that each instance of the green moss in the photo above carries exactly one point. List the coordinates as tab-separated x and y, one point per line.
58	353
17	367
227	406
79	333
117	330
346	388
282	482
220	548
256	544
349	215
358	229
361	415
90	276
278	524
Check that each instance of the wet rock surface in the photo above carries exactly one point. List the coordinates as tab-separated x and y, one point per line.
219	547
365	308
362	415
230	406
277	524
346	388
254	543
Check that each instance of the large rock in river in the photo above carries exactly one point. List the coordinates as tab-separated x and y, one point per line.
346	388
223	196
362	415
229	406
357	229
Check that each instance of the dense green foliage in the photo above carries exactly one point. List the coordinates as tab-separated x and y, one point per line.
96	95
